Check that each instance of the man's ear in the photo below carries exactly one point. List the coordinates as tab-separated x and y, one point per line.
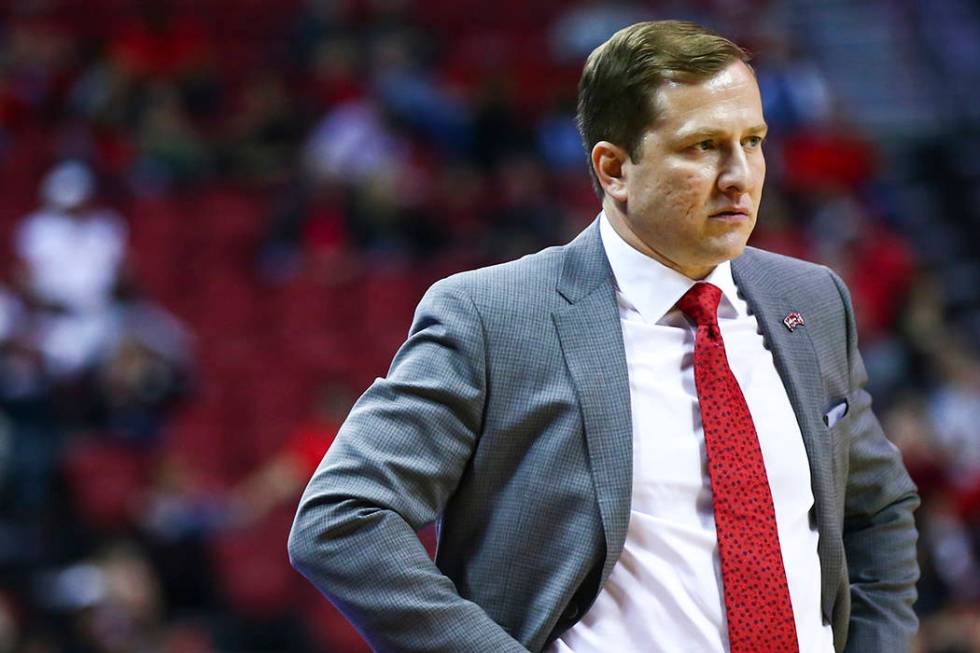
608	163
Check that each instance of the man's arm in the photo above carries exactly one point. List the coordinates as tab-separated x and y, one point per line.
879	530
396	461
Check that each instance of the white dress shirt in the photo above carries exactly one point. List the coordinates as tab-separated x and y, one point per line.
665	592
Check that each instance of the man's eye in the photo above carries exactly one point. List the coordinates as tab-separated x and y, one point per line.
754	141
705	146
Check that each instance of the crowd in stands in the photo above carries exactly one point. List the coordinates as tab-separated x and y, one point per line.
218	217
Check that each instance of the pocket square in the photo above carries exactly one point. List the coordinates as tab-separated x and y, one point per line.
835	414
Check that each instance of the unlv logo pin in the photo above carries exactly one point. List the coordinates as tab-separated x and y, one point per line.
793	320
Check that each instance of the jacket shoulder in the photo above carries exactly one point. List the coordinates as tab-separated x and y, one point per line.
789	276
782	263
527	280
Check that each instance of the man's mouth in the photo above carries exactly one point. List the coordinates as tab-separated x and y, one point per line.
731	214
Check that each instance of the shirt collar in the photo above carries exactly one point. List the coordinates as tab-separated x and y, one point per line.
651	287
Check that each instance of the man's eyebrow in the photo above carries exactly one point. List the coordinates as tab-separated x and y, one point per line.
708	132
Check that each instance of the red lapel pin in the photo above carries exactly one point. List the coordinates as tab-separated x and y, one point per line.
793	320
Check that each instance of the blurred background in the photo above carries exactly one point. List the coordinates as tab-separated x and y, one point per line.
216	217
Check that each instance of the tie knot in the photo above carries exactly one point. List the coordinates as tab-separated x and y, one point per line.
700	303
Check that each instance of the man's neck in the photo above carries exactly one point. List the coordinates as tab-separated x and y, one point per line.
622	227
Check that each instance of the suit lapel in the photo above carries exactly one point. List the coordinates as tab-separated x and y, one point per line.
592	344
768	296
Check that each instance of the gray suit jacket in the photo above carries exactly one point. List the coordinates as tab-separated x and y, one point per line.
506	416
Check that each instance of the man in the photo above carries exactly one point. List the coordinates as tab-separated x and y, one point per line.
622	458
71	259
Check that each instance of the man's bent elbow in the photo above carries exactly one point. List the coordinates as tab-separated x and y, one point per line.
301	546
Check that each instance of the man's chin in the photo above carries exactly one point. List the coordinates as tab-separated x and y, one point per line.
728	251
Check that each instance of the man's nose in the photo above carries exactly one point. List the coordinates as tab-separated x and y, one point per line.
736	174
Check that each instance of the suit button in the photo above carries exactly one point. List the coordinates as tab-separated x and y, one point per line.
571	613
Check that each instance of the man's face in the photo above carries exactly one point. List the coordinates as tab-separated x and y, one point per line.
692	198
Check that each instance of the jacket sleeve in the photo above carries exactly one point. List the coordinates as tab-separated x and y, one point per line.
395	462
879	529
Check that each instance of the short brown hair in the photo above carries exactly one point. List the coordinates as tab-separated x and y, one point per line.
615	92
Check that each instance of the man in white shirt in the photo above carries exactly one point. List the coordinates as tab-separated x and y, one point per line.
71	256
650	439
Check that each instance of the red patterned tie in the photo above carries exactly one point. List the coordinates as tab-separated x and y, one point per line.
757	602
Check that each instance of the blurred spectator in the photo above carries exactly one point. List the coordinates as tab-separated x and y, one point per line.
170	152
794	92
558	140
497	128
28	433
353	144
335	73
587	23
954	410
280	481
259	140
72	255
525	215
160	42
141	376
955	631
112	602
37	67
411	93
